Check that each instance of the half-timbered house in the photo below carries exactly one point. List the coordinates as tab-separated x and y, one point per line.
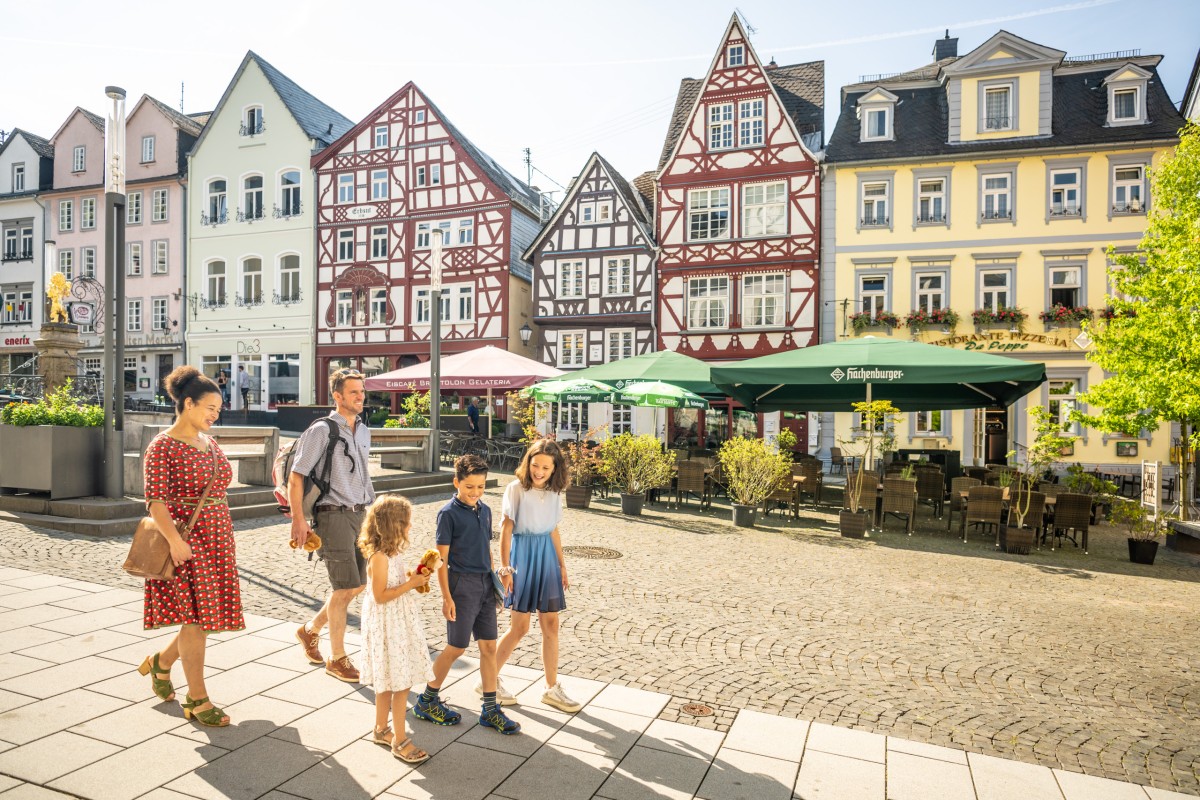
396	179
738	218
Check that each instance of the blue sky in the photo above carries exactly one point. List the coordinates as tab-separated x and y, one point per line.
562	78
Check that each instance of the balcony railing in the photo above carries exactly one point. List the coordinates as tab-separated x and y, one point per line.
251	129
998	123
286	299
249	301
220	219
251	215
1004	214
931	219
288	211
874	222
1058	211
1128	208
18	255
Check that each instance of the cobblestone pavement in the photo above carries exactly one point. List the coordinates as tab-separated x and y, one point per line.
1088	663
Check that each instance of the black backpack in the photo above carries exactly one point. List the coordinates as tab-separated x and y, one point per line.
316	483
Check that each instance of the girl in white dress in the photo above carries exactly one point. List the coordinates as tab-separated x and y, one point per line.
396	655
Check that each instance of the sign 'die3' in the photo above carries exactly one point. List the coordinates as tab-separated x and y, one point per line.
863	374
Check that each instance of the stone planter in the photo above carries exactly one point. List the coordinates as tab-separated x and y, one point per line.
743	516
60	460
631	504
854	524
579	496
1142	551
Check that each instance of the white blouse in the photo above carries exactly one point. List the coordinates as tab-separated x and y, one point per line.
533	511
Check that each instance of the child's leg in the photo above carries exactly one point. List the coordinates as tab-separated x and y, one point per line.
399	703
548	624
442	664
383	705
487	664
518	627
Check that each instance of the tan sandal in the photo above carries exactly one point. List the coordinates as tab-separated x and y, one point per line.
383	737
414	756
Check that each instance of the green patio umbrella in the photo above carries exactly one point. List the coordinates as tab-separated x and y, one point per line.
665	365
913	375
658	394
571	390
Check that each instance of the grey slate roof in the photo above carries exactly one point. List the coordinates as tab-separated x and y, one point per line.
317	120
186	123
1193	84
628	195
801	89
40	146
644	185
1078	114
95	119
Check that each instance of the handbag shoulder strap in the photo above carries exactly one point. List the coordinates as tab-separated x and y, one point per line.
207	489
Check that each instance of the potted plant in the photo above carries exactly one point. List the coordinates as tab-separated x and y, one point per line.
908	473
415	408
1143	531
786	442
876	416
990	316
1040	456
920	319
584	461
635	465
753	470
1060	316
59	440
865	319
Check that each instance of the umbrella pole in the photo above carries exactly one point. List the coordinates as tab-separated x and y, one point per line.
489	407
870	433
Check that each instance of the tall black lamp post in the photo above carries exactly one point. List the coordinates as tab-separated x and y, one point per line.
114	293
435	347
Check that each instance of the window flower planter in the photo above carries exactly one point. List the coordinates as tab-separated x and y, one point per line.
939	317
863	320
1060	316
999	316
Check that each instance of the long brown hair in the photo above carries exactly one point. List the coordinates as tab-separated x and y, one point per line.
545	447
385	530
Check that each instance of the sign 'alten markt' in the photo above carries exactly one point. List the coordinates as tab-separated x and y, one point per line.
1003	341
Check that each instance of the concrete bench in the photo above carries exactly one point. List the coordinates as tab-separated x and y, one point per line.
402	448
251	448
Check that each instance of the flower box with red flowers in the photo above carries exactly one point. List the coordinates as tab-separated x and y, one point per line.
1005	316
1064	316
921	318
864	319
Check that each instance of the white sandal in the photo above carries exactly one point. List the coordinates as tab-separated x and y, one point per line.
383	737
410	759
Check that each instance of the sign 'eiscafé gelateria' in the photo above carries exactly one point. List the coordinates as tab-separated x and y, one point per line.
1004	341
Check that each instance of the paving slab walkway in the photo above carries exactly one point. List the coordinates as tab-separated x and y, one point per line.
76	720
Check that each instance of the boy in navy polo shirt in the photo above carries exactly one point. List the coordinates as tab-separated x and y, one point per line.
464	536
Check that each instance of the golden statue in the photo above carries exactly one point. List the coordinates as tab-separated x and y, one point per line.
59	288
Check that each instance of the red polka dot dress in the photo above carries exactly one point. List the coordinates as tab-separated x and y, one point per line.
205	590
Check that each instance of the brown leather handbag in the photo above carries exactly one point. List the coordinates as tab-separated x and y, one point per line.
150	553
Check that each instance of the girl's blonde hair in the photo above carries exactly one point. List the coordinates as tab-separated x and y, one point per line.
385	530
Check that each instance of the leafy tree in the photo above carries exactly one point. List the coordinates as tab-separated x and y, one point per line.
1150	342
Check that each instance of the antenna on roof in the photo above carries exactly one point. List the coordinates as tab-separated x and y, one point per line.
749	28
181	97
528	167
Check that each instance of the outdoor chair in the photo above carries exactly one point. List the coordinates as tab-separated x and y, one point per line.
814	479
870	492
978	473
931	489
1072	515
785	495
957	501
900	500
991	479
984	507
836	460
692	480
1016	540
1050	489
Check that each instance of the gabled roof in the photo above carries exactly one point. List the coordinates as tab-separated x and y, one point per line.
184	122
1191	95
39	145
622	187
96	120
317	120
1020	51
646	189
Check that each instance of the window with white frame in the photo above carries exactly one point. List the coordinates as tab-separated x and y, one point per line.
147	149
379	184
218	208
618	276
872	293
344	301
874	204
133	208
595	212
421	176
1063	400
1125	105
1065	287
133	259
930	423
87	214
66	263
735	56
160	266
26	242
379	301
571	347
252	125
622	420
289	278
1065	197
570	278
931	201
160	202
252	281
620	345
381	136
764	301
994	289
435	174
764	209
997	196
346	188
466	231
876	123
720	126
92	365
708	214
1128	189
750	123
997	108
10	244
79	159
345	245
18	177
708	302
421	310
379	242
18	305
87	262
931	291
419	115
215	278
133	315
66	215
252	194
465	303
572	417
289	192
158	314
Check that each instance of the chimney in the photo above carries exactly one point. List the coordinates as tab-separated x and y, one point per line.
772	65
945	48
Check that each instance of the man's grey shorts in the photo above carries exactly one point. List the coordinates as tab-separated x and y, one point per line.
474	609
339	547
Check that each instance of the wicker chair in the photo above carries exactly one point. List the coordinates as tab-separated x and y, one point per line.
978	473
931	489
1073	513
984	506
957	502
870	492
785	495
1019	541
899	499
836	460
814	479
1051	489
692	480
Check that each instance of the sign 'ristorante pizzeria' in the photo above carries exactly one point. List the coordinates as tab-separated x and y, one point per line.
1003	341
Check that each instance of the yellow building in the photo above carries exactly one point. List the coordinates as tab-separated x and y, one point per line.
991	185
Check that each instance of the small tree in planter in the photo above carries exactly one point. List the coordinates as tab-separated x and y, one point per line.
753	469
584	461
416	410
786	442
877	416
1049	440
635	465
1142	529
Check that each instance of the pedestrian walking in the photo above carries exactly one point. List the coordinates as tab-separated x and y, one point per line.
243	379
464	534
532	566
223	385
473	416
338	517
395	654
204	597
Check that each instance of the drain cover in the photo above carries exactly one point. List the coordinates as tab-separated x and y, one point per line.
587	551
697	710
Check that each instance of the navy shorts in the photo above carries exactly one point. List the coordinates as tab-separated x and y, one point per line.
474	609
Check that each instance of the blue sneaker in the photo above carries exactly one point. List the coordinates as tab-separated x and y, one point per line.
496	719
436	711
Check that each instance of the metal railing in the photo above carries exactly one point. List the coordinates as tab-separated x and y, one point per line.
995	215
252	130
289	210
1104	56
220	219
285	300
931	218
14	255
251	215
874	221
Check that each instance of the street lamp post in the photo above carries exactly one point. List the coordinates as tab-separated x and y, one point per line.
435	346
114	294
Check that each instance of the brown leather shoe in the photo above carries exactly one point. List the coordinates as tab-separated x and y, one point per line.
310	642
342	669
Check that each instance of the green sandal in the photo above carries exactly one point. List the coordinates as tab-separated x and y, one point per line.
213	717
163	688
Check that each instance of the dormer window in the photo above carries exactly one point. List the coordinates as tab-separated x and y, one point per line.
1125	105
252	121
876	110
997	108
1127	96
736	56
876	123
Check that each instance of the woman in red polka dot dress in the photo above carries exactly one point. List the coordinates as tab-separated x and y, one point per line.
204	597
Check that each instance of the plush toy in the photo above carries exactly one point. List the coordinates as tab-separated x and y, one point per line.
311	544
431	561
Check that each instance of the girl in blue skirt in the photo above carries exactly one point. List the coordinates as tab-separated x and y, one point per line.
533	571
